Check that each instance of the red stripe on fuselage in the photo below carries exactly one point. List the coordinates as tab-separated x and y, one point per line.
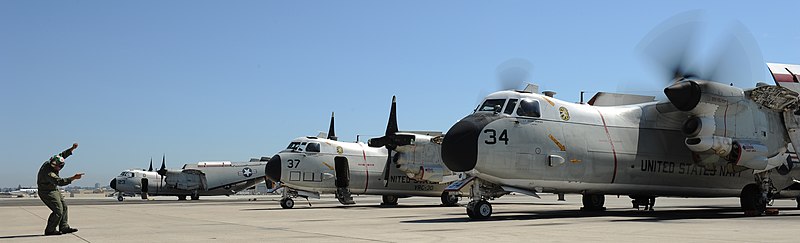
613	150
366	169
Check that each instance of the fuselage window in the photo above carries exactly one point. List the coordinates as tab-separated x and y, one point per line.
312	147
510	106
529	108
491	104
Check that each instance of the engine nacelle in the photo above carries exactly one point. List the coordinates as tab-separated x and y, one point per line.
699	126
721	146
429	172
749	154
688	95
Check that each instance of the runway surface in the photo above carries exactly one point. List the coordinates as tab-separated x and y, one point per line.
516	218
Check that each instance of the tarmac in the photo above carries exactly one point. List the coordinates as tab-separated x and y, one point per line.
516	218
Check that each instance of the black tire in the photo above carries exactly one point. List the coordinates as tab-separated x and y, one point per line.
470	209
182	198
120	198
389	200
751	201
482	210
195	196
287	203
449	199
593	202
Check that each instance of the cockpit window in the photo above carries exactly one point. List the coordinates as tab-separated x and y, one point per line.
312	147
529	108
490	104
510	106
293	145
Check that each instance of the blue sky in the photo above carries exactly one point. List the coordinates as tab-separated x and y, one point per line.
231	80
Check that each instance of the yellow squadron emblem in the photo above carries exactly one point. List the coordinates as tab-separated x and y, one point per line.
564	113
339	149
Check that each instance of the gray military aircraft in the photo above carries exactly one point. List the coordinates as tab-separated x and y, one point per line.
399	164
708	139
193	180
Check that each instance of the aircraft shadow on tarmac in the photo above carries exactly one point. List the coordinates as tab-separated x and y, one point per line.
347	207
625	215
19	236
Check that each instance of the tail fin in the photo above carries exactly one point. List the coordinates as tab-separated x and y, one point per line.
786	75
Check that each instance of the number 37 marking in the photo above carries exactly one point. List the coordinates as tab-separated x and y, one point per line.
493	138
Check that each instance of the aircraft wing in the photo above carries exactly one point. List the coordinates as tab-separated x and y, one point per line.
186	179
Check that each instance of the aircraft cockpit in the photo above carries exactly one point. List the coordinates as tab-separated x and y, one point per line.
303	146
525	107
127	174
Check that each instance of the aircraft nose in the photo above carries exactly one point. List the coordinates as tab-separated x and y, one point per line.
460	144
273	168
113	184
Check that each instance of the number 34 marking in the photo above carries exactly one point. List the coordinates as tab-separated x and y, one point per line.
493	138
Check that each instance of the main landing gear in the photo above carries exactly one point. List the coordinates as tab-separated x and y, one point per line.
593	202
389	200
449	199
757	196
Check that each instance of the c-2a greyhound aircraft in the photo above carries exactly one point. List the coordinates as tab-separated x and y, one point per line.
399	164
708	140
193	180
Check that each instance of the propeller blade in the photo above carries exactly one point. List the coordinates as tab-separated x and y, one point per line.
386	168
670	44
391	128
331	133
512	73
151	165
163	170
738	59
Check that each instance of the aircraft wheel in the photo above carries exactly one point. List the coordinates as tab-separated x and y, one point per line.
470	208
389	200
751	200
120	198
449	199
287	203
195	196
593	202
182	198
482	210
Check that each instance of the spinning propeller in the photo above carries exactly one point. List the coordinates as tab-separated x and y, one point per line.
672	46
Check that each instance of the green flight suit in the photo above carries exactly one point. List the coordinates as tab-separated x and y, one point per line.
48	182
